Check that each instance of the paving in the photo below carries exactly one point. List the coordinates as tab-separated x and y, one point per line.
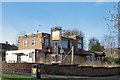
63	77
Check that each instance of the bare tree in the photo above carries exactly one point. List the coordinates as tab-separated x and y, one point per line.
113	22
113	27
67	33
94	45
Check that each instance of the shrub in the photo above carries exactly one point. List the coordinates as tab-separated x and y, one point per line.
112	60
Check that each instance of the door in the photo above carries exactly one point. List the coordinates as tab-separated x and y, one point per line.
19	58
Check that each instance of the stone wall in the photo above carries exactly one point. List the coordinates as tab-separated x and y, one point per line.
56	69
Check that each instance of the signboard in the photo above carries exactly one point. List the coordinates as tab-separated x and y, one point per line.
56	35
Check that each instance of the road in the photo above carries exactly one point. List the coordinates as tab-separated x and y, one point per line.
56	77
63	77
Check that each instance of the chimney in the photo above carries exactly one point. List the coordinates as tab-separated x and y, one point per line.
37	31
6	42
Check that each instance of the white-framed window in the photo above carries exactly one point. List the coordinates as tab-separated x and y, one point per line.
33	43
25	43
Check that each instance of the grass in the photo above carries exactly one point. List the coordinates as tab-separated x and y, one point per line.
16	77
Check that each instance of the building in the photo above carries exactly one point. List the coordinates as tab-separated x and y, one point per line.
42	42
22	56
40	48
5	47
34	41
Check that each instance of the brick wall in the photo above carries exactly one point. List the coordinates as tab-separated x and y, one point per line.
16	67
80	70
56	69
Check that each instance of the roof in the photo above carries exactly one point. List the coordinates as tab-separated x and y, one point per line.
33	34
5	46
100	53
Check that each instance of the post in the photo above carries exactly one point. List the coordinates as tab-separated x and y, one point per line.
61	57
61	51
72	54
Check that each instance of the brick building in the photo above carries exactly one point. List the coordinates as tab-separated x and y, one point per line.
39	48
34	41
43	46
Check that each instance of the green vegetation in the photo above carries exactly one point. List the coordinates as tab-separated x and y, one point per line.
16	77
94	45
112	60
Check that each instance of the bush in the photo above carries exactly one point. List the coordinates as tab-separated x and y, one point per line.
112	60
117	60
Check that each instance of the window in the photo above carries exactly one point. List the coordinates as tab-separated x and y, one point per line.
18	58
30	55
33	43
65	44
79	46
46	42
79	41
25	42
52	43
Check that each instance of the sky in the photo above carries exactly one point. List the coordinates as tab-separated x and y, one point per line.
25	18
59	0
